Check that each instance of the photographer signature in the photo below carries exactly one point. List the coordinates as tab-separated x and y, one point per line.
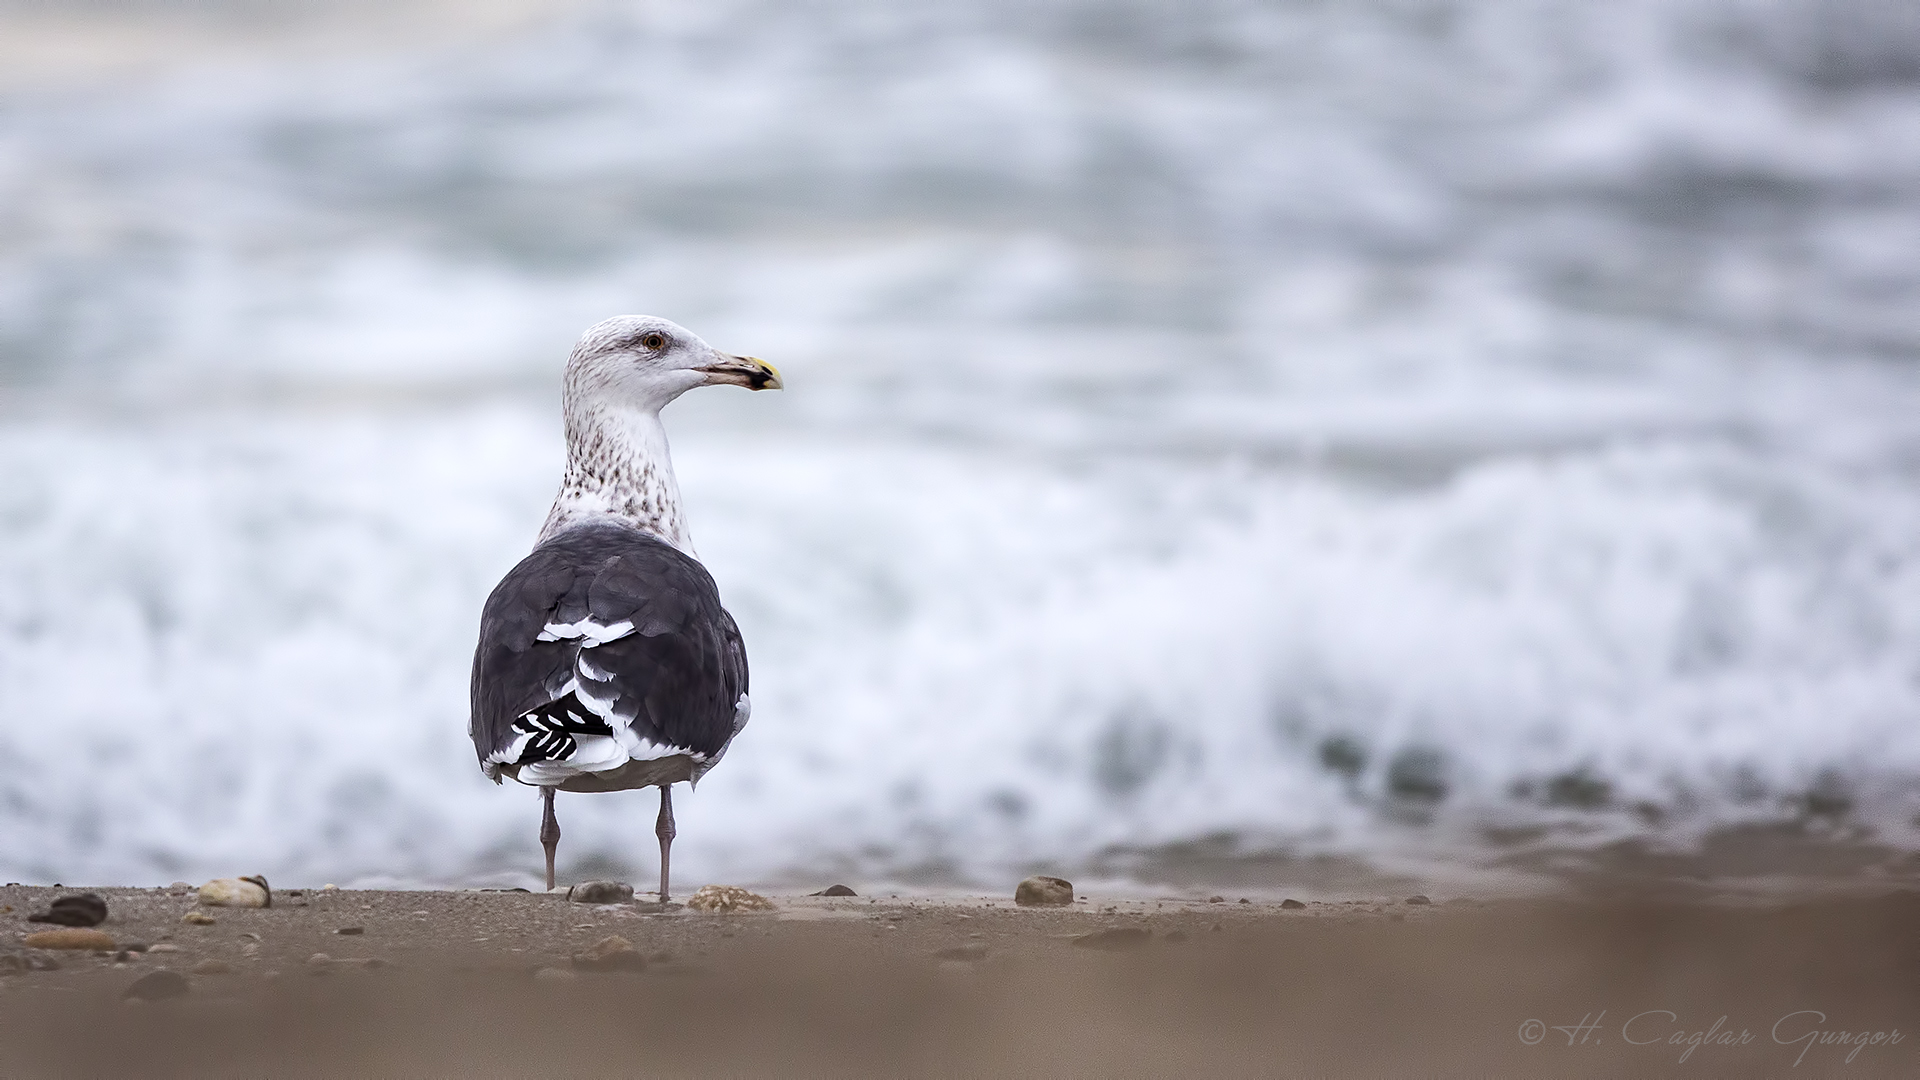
1804	1028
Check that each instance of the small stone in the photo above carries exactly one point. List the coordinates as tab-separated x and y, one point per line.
197	918
1417	899
180	888
250	949
610	953
329	887
125	956
1244	900
1115	940
1292	905
351	931
71	938
80	909
555	975
835	890
972	950
157	986
1043	891
212	967
600	892
163	947
236	892
727	898
1216	899
320	964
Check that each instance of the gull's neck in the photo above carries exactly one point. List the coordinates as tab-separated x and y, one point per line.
618	466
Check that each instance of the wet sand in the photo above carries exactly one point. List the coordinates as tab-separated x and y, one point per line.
484	984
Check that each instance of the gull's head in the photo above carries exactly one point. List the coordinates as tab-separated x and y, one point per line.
644	362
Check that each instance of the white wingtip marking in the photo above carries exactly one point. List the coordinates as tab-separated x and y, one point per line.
592	633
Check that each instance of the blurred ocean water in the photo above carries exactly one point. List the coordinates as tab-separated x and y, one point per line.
1432	437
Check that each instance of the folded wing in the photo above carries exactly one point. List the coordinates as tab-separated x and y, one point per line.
605	645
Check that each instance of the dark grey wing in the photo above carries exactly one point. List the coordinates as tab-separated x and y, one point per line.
627	624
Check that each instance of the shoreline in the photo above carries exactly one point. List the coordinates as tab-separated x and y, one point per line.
487	983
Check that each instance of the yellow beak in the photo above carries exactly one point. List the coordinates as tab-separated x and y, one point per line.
748	371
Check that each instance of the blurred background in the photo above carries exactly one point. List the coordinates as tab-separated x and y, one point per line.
1289	444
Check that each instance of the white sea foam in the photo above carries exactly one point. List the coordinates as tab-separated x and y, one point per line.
1389	429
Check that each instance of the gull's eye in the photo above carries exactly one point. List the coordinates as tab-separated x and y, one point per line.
653	341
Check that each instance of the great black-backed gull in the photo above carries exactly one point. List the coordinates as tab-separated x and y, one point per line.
605	660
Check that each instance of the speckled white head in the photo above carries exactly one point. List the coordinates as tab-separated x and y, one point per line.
621	374
643	362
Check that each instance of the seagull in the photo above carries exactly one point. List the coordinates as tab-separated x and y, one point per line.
606	661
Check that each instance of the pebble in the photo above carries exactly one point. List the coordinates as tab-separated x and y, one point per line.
251	948
1292	905
320	964
80	909
70	938
351	931
1043	891
197	918
1216	899
835	890
601	892
237	892
727	898
212	967
157	986
610	953
163	947
972	950
1418	899
1117	939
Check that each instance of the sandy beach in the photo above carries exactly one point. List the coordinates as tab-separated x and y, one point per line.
504	984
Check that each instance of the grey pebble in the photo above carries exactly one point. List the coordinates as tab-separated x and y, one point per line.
601	892
1043	891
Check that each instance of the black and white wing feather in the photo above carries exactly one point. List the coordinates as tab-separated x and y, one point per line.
604	646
